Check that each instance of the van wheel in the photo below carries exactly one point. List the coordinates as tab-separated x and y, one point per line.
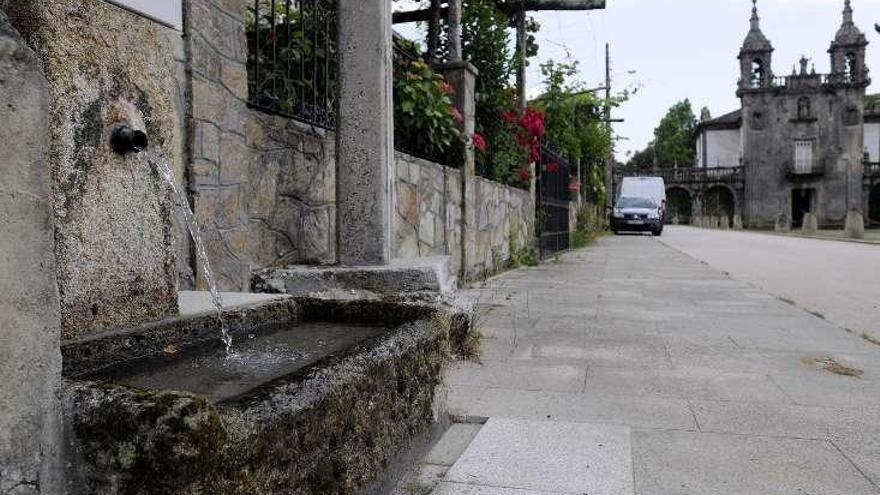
657	233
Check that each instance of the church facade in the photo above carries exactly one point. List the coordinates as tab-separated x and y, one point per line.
802	140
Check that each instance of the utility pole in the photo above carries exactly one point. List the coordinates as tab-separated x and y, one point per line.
521	52
609	160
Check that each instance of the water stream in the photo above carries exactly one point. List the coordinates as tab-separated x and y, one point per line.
163	166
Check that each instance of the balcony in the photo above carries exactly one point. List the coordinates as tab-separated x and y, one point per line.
689	175
872	169
814	170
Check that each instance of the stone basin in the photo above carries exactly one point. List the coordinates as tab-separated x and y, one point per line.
270	354
320	396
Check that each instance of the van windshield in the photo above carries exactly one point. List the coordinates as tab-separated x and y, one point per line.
636	203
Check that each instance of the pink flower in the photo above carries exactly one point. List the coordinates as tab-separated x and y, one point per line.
532	122
535	152
456	115
575	185
553	167
479	141
447	88
509	116
524	174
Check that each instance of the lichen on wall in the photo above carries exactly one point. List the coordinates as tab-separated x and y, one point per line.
113	217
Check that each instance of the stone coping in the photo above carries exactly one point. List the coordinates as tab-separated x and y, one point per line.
402	276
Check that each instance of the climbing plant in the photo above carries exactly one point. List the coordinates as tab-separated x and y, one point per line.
574	123
426	122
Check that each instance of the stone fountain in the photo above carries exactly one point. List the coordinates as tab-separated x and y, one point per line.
107	387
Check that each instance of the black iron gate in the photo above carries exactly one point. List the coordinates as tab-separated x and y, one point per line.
553	197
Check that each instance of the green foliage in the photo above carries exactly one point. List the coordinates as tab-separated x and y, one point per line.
675	137
590	226
521	255
487	42
302	66
644	159
424	115
574	123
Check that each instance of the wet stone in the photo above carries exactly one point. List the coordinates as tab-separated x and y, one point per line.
272	353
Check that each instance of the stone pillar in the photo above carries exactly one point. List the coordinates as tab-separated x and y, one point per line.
737	222
30	358
365	133
855	225
783	224
811	224
462	76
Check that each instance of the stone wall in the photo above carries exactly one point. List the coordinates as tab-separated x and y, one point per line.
30	361
263	186
427	219
505	217
113	219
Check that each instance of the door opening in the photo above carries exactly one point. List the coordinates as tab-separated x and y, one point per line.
802	202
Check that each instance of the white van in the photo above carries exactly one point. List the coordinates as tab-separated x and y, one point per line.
640	206
653	188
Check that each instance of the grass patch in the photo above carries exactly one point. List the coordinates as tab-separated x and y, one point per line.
520	255
832	366
590	226
472	345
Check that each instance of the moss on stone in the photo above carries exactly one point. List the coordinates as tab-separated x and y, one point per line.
331	432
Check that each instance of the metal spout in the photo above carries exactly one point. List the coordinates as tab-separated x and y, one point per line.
125	140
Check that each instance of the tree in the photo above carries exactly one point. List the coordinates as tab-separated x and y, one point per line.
675	137
643	160
486	43
574	123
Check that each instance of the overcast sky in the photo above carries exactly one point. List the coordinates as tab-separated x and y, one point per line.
687	49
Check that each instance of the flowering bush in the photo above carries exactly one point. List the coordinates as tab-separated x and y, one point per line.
426	121
479	142
519	136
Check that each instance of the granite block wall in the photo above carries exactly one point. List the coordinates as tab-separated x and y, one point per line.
112	215
262	186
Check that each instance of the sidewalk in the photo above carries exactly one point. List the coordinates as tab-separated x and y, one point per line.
631	368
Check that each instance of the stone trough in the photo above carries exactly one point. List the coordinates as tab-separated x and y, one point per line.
321	396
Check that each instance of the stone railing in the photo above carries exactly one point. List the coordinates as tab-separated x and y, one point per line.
872	169
690	175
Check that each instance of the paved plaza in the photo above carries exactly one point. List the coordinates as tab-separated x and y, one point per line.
631	367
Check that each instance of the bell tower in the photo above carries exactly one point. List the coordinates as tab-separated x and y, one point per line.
755	56
848	52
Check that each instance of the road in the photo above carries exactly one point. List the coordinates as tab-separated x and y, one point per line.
840	280
631	367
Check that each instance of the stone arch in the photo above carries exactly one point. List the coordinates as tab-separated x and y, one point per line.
719	200
679	205
758	72
874	205
851	67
